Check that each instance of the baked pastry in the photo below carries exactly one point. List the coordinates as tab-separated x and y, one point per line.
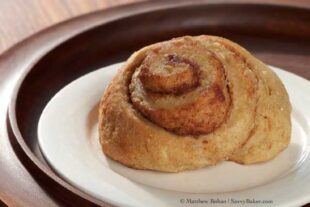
192	102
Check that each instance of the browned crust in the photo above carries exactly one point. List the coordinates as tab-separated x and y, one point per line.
244	136
174	83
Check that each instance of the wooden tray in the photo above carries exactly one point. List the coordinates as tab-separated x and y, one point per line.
34	70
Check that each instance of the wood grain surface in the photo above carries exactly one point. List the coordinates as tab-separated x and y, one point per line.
20	19
29	186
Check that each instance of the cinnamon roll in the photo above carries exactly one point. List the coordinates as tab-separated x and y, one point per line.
192	102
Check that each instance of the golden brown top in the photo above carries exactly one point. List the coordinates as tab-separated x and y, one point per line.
170	74
181	86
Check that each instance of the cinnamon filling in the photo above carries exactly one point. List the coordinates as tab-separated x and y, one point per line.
171	74
181	86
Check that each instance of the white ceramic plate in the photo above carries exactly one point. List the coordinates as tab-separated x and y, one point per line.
68	138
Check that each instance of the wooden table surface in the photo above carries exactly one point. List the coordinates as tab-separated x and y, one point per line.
20	19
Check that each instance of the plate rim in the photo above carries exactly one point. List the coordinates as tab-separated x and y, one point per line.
297	201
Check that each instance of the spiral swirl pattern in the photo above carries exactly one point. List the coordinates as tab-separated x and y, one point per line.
180	91
192	102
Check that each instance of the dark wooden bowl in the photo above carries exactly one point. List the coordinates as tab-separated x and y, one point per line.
276	32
